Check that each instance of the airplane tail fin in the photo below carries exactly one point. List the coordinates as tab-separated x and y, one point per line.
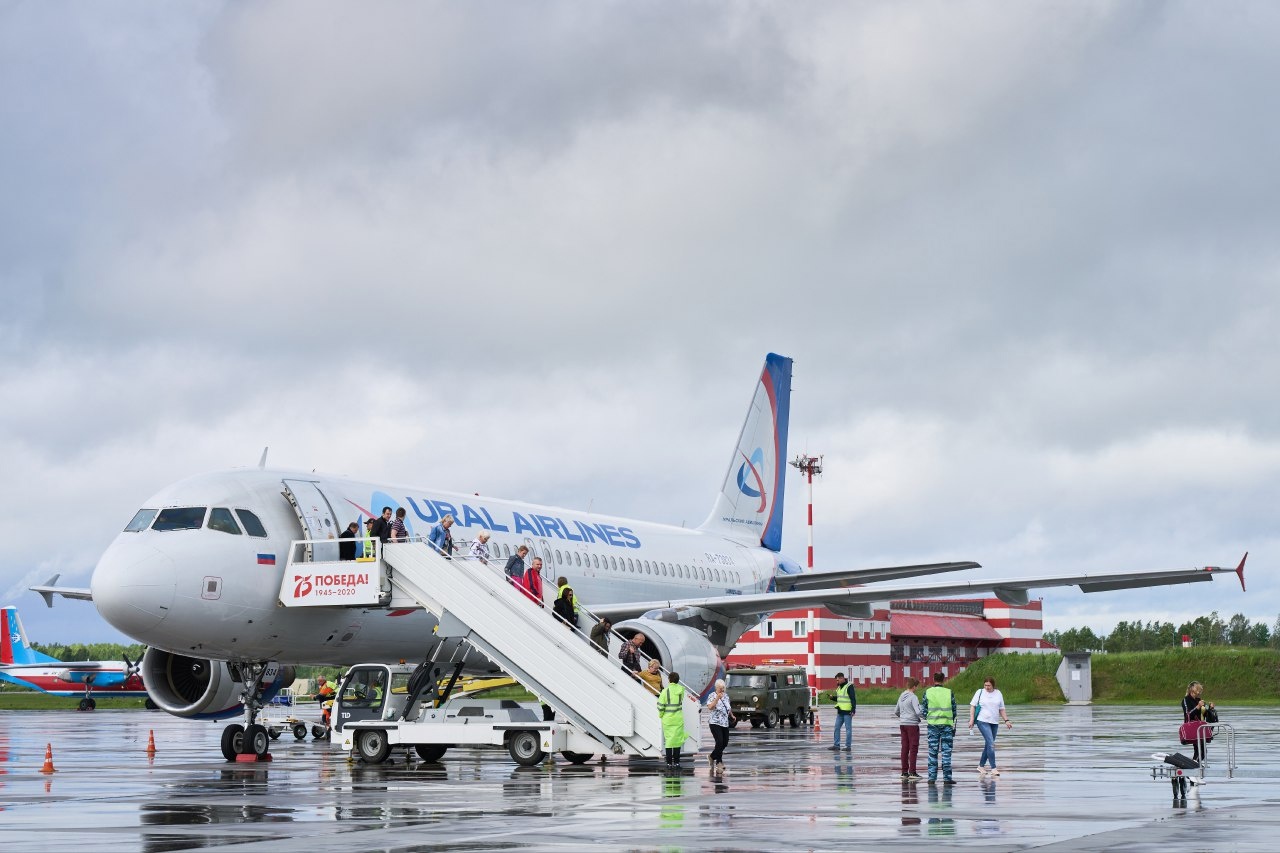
749	505
14	647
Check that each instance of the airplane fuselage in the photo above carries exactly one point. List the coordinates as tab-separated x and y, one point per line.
212	590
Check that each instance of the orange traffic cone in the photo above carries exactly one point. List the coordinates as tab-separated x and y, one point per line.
817	720
151	742
48	760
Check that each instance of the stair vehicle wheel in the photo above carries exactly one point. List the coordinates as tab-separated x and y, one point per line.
317	732
576	757
771	721
300	731
274	734
526	748
373	746
431	751
232	741
256	740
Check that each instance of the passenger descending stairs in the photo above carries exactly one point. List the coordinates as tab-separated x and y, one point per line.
476	603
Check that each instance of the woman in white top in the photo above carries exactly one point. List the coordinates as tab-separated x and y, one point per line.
480	548
721	719
988	704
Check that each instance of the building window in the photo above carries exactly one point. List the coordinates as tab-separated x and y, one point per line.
766	630
799	629
848	630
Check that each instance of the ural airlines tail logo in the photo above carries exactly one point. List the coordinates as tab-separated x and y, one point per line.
750	469
301	586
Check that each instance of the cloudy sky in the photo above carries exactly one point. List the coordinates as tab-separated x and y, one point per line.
1023	254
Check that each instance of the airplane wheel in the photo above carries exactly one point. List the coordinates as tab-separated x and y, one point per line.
771	721
84	705
526	748
372	746
232	741
431	751
256	740
576	757
149	705
300	731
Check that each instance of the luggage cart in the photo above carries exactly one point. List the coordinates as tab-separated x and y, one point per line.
1185	774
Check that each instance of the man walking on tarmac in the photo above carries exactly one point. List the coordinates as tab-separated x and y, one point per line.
846	706
939	710
671	712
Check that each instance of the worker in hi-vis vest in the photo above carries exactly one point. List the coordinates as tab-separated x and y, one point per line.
671	712
846	706
939	710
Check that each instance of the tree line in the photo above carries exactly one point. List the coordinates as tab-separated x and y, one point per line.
90	651
1141	636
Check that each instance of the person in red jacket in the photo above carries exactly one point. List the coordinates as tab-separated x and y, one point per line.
531	583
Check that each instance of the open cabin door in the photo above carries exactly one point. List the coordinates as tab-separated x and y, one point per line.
317	519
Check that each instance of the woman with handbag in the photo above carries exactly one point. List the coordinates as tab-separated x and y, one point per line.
987	710
1195	713
721	718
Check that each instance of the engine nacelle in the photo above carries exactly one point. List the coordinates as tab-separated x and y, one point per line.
199	688
681	649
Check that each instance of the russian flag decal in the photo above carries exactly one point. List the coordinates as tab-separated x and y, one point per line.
266	559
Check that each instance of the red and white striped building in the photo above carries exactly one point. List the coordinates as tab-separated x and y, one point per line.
907	638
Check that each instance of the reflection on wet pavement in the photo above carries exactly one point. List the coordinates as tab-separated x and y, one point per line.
1077	776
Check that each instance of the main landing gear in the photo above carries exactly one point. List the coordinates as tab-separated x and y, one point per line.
250	741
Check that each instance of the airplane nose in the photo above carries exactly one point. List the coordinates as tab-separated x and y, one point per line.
133	587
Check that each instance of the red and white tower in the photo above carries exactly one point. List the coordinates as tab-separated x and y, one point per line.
810	465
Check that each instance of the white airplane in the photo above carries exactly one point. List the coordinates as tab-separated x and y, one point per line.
197	574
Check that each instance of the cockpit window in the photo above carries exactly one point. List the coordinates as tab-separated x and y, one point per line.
221	519
180	518
251	524
141	521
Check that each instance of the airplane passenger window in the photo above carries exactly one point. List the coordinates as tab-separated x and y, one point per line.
717	571
180	518
613	563
221	519
595	561
647	570
577	558
252	525
558	560
141	520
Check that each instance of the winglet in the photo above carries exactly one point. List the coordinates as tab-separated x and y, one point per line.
1240	570
47	594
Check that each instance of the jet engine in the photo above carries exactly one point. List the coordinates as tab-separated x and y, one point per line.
199	688
681	649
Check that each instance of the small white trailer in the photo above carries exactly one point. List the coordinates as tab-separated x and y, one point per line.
384	706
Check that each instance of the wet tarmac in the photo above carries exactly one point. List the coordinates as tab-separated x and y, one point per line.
1072	779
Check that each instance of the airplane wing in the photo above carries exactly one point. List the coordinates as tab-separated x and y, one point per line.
857	601
851	577
48	590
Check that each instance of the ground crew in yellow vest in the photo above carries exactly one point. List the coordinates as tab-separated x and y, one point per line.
846	706
671	712
939	710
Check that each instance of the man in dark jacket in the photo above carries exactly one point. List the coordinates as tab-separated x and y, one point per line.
382	525
347	542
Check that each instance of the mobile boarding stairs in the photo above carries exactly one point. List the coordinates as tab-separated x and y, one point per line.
477	604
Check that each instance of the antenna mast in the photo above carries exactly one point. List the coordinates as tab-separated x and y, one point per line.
809	465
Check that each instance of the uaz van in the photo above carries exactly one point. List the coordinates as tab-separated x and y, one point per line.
767	694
